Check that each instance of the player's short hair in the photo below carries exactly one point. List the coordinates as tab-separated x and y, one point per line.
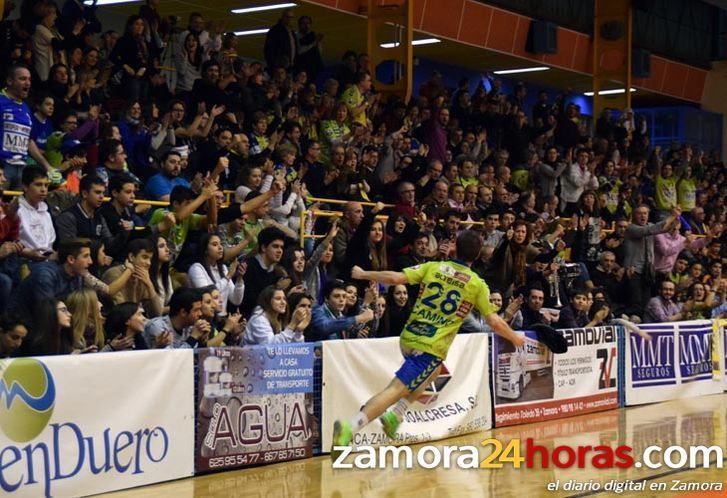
469	246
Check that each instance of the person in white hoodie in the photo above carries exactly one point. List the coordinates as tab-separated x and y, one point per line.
579	176
267	323
210	270
36	226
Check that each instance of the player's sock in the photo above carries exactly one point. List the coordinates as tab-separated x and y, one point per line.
401	407
359	421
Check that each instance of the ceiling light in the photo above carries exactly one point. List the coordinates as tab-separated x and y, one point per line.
261	8
251	32
615	91
423	41
523	70
109	2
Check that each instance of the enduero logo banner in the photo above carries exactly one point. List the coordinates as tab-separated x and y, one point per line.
27	397
83	425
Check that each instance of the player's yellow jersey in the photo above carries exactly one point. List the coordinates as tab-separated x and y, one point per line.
449	291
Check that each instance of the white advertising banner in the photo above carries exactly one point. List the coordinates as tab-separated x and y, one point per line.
457	402
678	362
532	384
86	424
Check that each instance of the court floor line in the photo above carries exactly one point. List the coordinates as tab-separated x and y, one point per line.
648	478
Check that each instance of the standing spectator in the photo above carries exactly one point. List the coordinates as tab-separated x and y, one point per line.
579	176
16	125
639	254
308	58
209	42
47	41
189	64
280	43
132	60
358	99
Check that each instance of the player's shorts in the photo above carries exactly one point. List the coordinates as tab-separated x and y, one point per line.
417	368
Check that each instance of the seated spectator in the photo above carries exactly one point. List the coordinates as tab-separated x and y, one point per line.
398	308
159	272
13	332
119	212
125	326
267	325
532	313
210	270
50	330
139	288
328	320
86	321
112	156
84	219
37	233
183	327
176	223
160	186
53	279
261	267
662	308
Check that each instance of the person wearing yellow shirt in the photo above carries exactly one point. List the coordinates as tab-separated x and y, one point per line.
355	99
451	290
665	196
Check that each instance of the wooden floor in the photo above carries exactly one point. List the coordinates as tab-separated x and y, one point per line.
696	421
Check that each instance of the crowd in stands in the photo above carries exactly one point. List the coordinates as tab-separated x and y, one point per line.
582	225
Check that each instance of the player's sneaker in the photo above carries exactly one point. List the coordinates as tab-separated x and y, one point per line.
391	424
342	436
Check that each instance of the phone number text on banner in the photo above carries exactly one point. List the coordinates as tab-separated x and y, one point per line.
678	362
456	402
533	384
254	405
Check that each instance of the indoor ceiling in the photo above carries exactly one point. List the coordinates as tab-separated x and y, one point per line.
343	31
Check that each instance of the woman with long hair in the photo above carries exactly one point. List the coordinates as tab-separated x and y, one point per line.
509	260
587	222
267	325
296	301
367	247
132	60
210	270
50	332
159	272
86	320
306	272
325	268
398	309
125	324
136	138
189	63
